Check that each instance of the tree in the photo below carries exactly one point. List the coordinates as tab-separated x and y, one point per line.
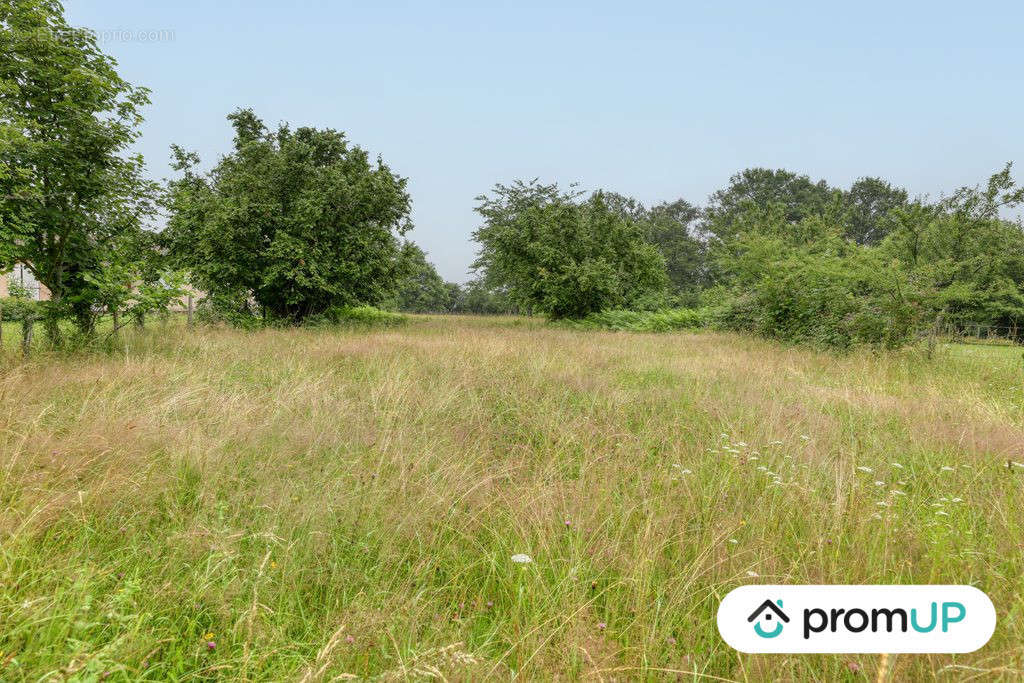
967	262
563	256
806	284
66	119
422	290
867	204
670	227
797	194
297	222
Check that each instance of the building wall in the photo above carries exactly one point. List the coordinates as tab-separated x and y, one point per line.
22	274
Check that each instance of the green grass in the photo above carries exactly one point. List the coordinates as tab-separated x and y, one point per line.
641	321
345	502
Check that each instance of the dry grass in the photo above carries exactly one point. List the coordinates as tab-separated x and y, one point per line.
332	504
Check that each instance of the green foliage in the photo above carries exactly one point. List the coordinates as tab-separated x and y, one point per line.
299	222
562	256
476	298
66	121
17	309
867	205
644	321
422	290
805	284
796	196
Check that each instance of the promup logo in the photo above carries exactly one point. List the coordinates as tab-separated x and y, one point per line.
856	619
765	613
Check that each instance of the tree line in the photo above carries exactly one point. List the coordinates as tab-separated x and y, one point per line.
299	224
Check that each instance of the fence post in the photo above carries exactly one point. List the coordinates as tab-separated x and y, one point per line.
28	324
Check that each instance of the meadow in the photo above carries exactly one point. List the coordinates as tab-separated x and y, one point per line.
326	504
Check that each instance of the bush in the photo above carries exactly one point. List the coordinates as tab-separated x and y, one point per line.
363	316
643	321
16	309
821	301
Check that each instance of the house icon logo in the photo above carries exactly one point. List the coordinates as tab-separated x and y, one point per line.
764	615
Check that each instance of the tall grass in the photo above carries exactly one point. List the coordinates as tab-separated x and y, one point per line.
319	504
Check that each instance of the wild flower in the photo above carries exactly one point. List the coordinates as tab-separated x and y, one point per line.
350	639
490	604
752	574
879	483
208	636
733	541
947	468
942	512
882	504
865	468
958	500
521	558
897	492
211	645
602	626
805	437
897	465
568	524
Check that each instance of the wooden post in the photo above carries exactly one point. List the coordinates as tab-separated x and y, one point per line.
28	324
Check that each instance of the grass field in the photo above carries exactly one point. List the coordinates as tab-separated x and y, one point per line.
324	504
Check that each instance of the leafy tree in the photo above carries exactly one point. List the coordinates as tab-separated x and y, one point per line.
968	263
66	119
563	256
806	284
671	227
475	297
798	196
296	221
422	290
867	204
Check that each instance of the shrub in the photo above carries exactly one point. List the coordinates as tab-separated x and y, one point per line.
363	316
16	309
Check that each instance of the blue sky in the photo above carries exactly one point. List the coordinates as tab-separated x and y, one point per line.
657	100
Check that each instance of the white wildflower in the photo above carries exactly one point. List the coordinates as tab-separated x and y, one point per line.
942	512
752	574
522	558
733	541
897	492
879	483
897	465
864	468
947	468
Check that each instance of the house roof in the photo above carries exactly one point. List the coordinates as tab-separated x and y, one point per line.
768	604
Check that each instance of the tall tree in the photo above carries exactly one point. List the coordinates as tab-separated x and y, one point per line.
671	227
421	290
563	256
867	205
298	221
798	196
66	120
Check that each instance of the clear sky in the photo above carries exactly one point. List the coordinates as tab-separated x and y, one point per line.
658	100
